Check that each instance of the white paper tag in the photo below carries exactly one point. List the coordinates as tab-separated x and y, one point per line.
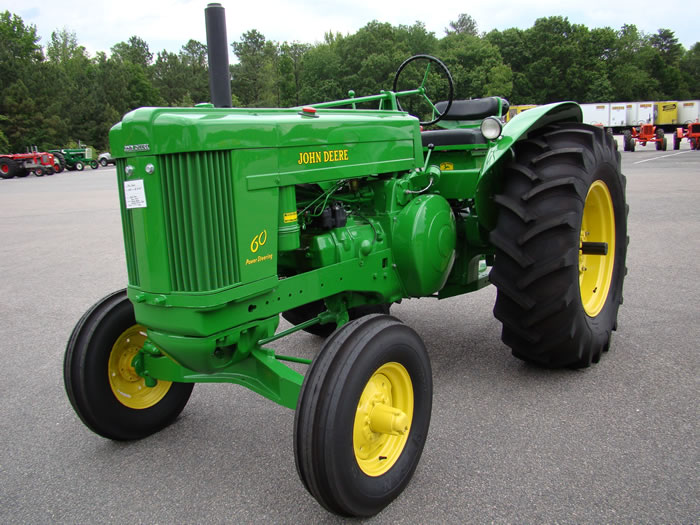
134	194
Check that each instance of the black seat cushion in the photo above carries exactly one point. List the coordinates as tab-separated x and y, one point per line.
475	109
452	137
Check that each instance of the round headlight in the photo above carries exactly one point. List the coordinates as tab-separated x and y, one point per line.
491	128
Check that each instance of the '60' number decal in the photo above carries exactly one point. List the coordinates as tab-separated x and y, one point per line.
258	241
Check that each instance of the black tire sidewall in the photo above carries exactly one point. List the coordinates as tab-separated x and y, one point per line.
328	403
356	487
601	325
92	396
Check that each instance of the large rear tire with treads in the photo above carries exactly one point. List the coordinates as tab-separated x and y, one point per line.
561	244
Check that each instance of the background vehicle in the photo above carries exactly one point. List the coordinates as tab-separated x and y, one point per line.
105	158
76	158
645	133
348	209
22	164
692	133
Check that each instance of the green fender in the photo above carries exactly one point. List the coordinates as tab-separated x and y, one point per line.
517	128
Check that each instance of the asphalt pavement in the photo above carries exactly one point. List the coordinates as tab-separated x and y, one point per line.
509	442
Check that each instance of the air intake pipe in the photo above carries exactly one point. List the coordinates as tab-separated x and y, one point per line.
217	50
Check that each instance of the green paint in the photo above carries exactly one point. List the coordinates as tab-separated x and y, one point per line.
238	225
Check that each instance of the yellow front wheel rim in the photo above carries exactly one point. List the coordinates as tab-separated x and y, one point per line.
127	386
383	419
595	271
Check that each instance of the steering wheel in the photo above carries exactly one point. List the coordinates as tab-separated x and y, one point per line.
422	88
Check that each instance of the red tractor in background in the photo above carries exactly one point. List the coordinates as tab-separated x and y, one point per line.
22	164
645	133
692	133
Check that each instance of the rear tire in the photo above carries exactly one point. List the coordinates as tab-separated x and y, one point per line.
97	366
61	161
103	163
626	141
661	145
369	368
559	306
8	168
676	141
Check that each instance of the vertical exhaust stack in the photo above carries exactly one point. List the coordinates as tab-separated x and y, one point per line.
217	51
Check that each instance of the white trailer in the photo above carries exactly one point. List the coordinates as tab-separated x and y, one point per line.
688	111
618	114
597	114
643	113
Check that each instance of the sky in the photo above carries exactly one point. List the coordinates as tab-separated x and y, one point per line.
169	24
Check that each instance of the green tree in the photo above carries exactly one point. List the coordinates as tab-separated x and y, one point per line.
291	70
255	75
19	48
193	57
464	25
23	126
321	72
477	66
63	47
690	70
4	143
135	50
170	77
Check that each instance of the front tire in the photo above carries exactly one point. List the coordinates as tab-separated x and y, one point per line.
104	389
363	415
563	204
79	166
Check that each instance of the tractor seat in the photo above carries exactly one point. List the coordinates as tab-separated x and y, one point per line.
475	109
452	137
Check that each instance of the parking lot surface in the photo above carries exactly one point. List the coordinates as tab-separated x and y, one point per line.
617	442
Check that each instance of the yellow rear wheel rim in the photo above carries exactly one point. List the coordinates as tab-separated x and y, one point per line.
383	419
595	271
127	386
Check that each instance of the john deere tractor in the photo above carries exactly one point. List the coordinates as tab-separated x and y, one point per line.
327	215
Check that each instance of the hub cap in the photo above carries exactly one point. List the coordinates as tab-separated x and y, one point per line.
383	419
595	271
127	386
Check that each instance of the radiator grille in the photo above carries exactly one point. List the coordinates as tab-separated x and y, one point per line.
128	229
197	192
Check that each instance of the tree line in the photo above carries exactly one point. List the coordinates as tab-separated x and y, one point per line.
59	95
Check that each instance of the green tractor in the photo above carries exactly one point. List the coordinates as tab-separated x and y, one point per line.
327	215
75	159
